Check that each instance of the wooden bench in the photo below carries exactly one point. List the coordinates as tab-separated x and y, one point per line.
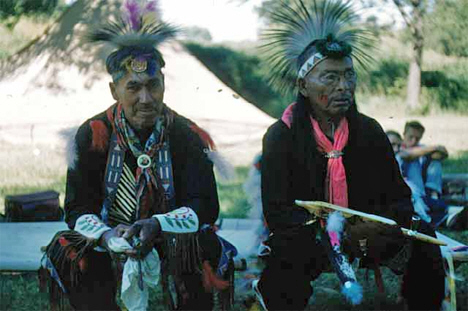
20	244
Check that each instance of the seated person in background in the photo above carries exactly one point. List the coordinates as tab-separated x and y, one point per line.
416	184
412	162
429	157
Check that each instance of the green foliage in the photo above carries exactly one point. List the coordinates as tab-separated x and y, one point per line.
269	6
12	11
446	88
19	7
388	77
232	199
197	34
450	91
242	72
457	164
447	27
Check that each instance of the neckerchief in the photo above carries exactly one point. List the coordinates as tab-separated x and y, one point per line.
337	188
149	190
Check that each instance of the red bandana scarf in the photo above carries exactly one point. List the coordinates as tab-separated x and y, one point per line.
335	184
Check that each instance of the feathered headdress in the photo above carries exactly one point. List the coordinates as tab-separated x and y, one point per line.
305	32
136	35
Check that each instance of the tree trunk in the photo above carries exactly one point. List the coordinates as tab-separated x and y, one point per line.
414	82
414	76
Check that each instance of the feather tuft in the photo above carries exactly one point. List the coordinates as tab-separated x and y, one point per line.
225	170
353	292
204	136
335	222
100	137
71	152
150	7
132	14
138	26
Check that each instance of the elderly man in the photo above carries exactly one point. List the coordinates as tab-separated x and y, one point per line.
141	172
323	149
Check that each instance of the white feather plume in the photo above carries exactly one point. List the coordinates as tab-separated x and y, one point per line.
335	222
225	171
71	154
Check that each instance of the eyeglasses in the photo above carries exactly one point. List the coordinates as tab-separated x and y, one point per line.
333	77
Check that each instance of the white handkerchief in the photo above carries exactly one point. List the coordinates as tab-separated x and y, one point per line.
132	296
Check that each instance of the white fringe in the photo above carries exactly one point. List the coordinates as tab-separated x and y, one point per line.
225	170
71	153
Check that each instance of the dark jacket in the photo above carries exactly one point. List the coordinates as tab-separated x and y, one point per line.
194	181
294	170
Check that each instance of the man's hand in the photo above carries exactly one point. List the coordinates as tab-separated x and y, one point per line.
118	231
147	231
382	241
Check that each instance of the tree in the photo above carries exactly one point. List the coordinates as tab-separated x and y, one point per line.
414	21
268	6
12	10
19	7
412	12
446	27
198	34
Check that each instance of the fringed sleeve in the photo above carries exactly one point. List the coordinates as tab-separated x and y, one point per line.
180	229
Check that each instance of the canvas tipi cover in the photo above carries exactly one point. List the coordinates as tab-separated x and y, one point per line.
58	81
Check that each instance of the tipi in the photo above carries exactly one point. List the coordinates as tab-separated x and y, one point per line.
58	81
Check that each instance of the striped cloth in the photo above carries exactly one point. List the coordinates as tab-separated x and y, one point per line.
124	208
